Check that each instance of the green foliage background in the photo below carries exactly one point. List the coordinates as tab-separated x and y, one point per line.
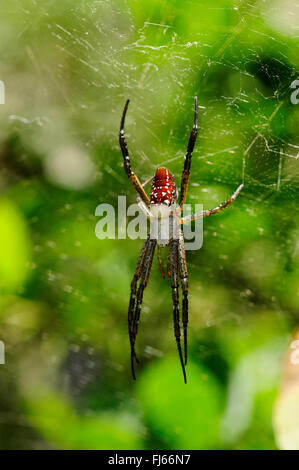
68	68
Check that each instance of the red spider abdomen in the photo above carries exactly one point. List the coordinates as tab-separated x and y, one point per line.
164	188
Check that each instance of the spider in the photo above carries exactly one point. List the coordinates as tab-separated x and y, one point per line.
165	215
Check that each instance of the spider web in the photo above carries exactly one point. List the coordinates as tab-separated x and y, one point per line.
68	70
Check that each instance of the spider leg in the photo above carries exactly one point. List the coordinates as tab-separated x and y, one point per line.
148	181
169	263
127	164
175	300
143	283
184	282
137	275
187	164
145	209
160	261
206	213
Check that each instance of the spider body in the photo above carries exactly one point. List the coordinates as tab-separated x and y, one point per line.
165	216
164	224
164	189
163	197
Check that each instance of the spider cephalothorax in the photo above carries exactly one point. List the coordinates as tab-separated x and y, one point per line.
165	218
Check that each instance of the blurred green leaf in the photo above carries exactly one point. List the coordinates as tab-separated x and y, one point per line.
15	247
55	419
184	416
